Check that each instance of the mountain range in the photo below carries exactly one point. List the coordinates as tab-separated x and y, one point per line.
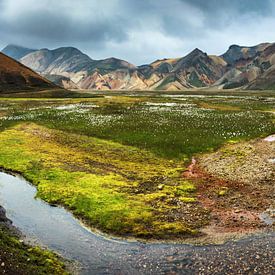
239	67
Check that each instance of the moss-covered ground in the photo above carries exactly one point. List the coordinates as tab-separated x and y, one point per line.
18	258
117	188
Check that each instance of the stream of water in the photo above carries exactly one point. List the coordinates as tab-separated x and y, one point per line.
57	229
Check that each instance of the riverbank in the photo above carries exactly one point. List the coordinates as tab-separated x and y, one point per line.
116	188
133	194
57	229
21	259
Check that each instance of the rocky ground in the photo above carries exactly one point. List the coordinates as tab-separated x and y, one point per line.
236	184
253	255
4	221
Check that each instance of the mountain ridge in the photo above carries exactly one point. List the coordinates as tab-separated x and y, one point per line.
238	67
16	52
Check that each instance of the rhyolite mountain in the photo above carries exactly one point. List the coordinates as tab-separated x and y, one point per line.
16	52
239	67
266	62
197	69
75	67
246	65
15	76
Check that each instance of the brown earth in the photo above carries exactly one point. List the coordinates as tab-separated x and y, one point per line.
237	185
15	76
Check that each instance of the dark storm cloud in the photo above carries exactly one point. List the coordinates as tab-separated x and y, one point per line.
192	17
210	6
219	13
51	24
137	30
57	27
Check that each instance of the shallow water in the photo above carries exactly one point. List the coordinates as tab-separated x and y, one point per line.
57	229
270	138
267	218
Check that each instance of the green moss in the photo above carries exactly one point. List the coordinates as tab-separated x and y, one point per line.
172	228
238	153
19	257
223	191
97	179
185	187
187	200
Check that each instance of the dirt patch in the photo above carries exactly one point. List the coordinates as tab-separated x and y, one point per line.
246	162
236	184
191	172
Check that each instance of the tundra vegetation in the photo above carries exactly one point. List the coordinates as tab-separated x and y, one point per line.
117	162
19	258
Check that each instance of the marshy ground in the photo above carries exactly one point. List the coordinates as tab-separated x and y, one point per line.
121	163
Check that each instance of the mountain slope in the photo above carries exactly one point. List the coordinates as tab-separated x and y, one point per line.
68	62
15	76
238	53
266	61
71	63
195	70
16	52
266	81
200	69
250	63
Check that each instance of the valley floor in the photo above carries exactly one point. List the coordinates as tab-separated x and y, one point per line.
122	164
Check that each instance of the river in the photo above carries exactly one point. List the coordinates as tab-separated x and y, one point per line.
57	229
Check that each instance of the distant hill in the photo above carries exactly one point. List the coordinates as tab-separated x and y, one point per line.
71	63
197	69
238	53
239	67
14	76
58	61
248	66
16	52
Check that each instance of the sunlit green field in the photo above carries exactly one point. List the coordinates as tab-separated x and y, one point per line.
117	161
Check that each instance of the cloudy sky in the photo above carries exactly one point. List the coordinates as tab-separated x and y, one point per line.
139	31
